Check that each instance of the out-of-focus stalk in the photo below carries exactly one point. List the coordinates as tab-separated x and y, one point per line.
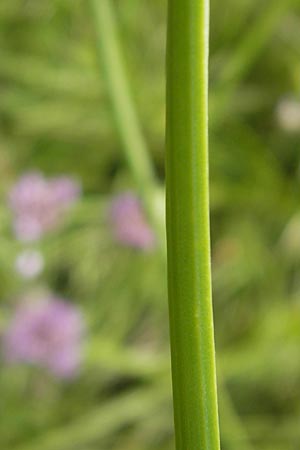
124	114
188	235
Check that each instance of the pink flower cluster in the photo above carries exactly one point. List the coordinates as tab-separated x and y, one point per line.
46	332
129	224
38	204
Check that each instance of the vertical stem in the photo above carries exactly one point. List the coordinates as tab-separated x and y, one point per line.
188	235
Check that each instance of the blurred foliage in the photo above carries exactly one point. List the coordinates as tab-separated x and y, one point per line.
55	116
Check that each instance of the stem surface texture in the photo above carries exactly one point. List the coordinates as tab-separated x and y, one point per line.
188	235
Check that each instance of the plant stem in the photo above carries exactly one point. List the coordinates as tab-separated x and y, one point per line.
124	114
188	235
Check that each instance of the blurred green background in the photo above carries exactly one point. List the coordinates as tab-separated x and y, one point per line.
56	117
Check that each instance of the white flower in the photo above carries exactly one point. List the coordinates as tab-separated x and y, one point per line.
29	263
288	114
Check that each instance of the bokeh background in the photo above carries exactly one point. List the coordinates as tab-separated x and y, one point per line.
83	318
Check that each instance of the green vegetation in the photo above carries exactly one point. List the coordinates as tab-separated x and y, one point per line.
56	116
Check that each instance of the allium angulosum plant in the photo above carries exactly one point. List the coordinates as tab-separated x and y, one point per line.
188	234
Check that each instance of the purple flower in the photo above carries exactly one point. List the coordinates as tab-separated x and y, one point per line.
46	332
29	263
129	224
65	189
38	204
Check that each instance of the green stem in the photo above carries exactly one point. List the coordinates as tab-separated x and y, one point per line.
188	235
124	114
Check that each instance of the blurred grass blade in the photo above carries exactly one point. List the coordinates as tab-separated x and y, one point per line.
254	41
245	56
41	76
188	235
100	423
